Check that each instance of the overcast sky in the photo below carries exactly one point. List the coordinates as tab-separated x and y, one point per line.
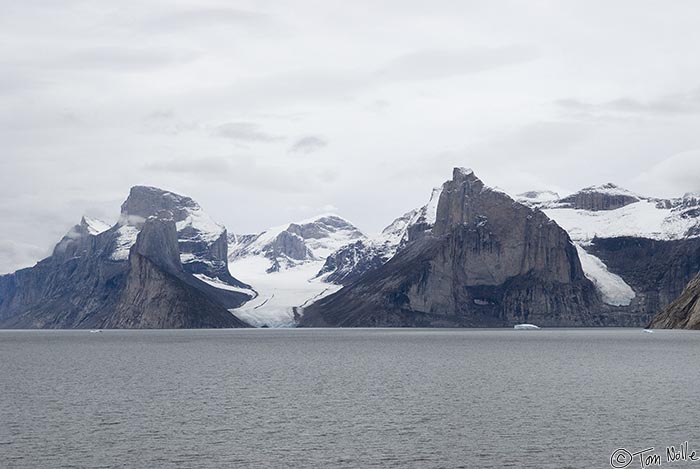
271	111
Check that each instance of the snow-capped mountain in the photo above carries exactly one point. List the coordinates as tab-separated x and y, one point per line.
163	265
282	264
166	263
607	220
609	211
348	263
604	222
479	259
203	242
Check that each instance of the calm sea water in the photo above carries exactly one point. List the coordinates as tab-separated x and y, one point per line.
345	398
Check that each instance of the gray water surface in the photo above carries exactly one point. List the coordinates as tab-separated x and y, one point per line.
345	398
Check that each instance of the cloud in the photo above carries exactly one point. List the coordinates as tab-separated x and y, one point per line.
318	83
444	63
308	144
166	121
16	255
247	132
670	104
117	58
674	175
205	17
211	166
240	172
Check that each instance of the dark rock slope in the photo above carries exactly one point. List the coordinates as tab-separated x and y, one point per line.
488	261
684	313
657	270
129	276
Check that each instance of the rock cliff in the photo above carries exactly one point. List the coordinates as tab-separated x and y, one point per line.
130	275
488	261
684	312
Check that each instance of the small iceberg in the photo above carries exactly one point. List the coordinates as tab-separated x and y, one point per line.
647	331
94	331
526	327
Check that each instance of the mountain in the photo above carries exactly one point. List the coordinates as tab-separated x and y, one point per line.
639	251
283	263
684	312
486	261
595	198
348	263
163	265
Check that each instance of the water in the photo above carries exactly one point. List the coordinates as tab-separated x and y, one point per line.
345	398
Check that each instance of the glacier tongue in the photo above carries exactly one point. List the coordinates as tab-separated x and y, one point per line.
279	293
613	289
282	262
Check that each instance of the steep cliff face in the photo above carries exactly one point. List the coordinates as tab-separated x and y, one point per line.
158	293
488	261
202	243
639	251
89	283
76	287
657	270
684	312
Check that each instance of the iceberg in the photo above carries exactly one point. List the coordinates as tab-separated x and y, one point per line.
526	327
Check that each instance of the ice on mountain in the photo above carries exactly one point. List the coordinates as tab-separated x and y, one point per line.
613	289
220	284
94	225
640	219
126	238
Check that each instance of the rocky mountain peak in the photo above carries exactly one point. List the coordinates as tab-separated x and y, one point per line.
351	261
147	201
603	197
288	245
323	226
465	199
163	265
487	260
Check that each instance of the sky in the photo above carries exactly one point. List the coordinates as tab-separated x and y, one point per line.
266	112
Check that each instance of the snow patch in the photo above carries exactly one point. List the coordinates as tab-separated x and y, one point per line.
643	219
204	228
95	226
126	238
431	208
537	197
220	284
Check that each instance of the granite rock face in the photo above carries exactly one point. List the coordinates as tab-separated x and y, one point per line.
130	275
488	261
657	270
684	312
